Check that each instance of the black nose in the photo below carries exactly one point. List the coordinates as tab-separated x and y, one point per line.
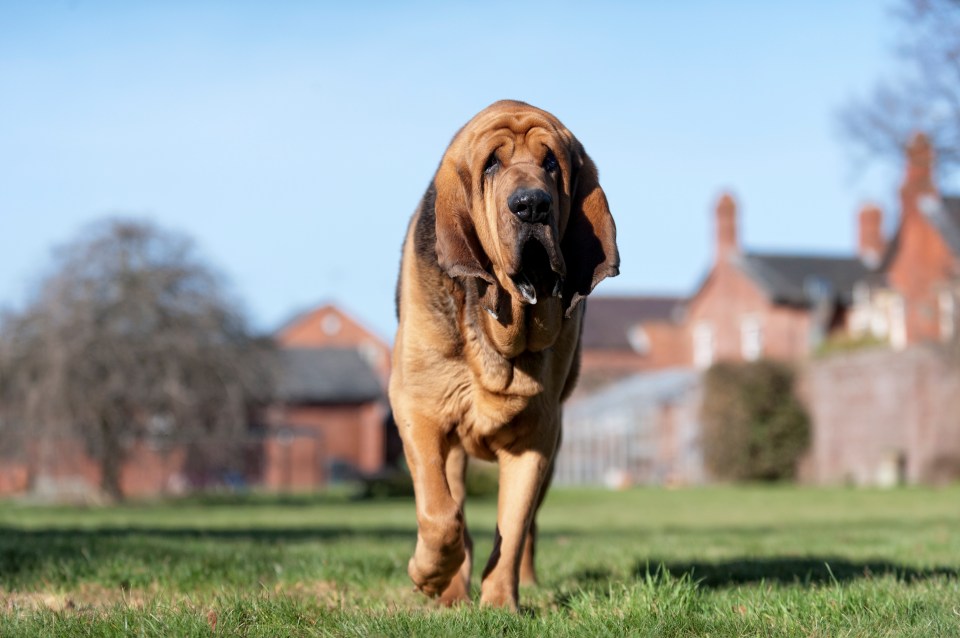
530	204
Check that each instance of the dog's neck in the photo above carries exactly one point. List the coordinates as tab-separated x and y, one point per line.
507	352
523	327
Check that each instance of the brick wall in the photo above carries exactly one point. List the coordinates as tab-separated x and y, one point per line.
293	461
307	439
881	416
61	468
14	477
150	470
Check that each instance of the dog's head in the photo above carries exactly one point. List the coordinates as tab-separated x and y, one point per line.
519	208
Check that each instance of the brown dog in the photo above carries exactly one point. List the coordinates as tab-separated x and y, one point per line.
513	232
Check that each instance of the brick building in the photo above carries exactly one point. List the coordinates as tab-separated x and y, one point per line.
750	305
329	418
881	416
901	291
913	296
753	305
327	326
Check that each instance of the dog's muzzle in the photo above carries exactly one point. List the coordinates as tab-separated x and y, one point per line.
541	269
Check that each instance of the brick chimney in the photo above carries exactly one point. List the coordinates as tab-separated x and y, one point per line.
871	244
918	181
726	227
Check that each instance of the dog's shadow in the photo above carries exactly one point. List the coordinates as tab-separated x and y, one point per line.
807	571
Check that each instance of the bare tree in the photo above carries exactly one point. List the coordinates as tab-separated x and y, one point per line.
131	336
926	97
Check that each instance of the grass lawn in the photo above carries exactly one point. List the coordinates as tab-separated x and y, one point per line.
720	562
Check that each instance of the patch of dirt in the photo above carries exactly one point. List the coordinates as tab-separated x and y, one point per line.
94	597
87	596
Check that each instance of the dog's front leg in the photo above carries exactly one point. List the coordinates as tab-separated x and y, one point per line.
528	572
521	476
459	589
440	524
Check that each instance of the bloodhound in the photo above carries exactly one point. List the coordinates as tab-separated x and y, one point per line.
512	233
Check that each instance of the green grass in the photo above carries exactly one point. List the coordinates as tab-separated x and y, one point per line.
721	562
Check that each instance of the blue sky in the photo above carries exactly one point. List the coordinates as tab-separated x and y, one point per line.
292	140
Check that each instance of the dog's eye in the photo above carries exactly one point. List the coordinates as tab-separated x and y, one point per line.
492	164
550	162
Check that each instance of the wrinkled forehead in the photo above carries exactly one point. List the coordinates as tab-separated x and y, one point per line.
514	128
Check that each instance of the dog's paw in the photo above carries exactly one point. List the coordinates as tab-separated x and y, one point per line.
432	570
426	579
457	592
501	596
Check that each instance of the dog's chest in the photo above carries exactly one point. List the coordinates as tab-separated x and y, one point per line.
500	394
492	421
523	374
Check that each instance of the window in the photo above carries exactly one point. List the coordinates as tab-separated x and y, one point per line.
898	323
861	311
947	316
861	294
370	352
330	324
703	345
639	340
751	338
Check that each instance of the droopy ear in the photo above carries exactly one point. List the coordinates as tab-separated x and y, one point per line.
589	243
459	252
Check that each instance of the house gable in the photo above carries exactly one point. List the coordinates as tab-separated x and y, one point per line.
717	312
924	259
754	305
327	326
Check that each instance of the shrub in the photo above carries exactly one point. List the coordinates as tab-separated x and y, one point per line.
754	427
482	479
942	469
388	483
481	482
